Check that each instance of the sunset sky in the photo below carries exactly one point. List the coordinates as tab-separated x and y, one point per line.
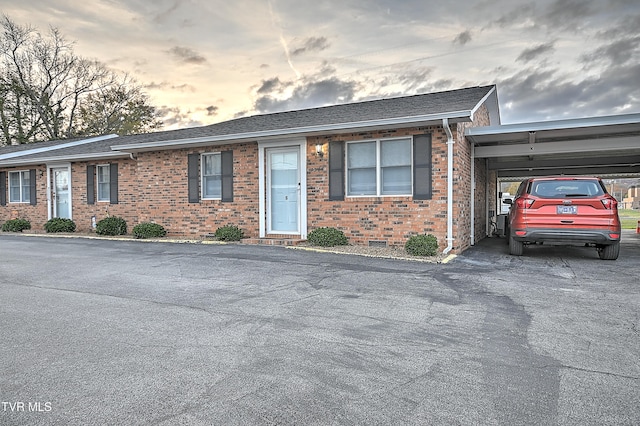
208	61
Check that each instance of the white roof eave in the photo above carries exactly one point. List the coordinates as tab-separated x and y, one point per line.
65	158
38	150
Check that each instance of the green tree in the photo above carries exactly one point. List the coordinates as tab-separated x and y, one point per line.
47	92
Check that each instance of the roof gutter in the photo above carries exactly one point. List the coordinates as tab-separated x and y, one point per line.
450	142
66	158
37	150
297	131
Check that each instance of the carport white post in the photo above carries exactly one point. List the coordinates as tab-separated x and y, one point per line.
447	129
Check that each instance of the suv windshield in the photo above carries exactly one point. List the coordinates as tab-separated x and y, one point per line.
566	188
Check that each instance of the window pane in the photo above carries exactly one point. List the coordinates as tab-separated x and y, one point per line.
103	183
212	186
19	190
14	179
14	194
212	164
212	176
395	153
361	154
396	180
103	174
362	181
103	191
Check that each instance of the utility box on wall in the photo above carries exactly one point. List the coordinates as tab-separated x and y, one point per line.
501	224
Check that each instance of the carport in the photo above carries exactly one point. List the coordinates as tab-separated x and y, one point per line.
607	146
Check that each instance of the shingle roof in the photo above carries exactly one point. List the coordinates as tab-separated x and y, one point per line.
461	100
454	103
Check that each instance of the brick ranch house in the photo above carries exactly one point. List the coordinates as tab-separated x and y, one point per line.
381	171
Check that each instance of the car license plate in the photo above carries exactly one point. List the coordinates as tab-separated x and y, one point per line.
567	210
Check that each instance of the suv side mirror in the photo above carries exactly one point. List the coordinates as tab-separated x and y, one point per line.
507	201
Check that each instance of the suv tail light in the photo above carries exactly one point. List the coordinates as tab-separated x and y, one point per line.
524	203
610	203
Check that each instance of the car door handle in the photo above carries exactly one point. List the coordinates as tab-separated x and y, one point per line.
566	221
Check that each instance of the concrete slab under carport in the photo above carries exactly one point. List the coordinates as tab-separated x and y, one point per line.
495	251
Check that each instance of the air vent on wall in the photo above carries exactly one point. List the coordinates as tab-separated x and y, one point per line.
377	243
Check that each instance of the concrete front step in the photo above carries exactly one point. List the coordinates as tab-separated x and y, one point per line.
272	241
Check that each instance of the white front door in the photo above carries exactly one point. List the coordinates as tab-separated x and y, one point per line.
60	192
283	190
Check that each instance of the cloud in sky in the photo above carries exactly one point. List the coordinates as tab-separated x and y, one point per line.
535	52
463	38
207	61
186	55
311	44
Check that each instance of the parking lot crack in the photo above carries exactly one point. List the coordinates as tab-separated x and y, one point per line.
606	373
129	298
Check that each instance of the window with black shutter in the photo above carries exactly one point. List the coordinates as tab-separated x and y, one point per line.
336	171
422	185
91	189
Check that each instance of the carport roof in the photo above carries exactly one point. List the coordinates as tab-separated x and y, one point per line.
608	145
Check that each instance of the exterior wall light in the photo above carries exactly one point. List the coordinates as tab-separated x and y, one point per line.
319	151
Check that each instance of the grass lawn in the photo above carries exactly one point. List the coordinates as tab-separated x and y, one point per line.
629	218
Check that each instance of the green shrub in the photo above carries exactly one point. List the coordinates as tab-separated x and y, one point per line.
113	225
60	224
229	233
16	225
327	237
149	230
422	245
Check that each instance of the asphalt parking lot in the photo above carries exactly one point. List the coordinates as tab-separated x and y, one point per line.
96	332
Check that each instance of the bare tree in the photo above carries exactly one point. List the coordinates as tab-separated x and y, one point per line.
120	108
47	92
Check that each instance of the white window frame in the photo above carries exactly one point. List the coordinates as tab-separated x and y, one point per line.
378	168
203	196
108	195
22	186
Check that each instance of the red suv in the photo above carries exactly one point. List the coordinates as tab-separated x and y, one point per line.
568	210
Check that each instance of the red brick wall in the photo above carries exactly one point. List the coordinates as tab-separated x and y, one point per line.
37	214
162	193
392	219
463	185
127	195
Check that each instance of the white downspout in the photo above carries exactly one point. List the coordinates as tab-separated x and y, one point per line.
473	195
447	129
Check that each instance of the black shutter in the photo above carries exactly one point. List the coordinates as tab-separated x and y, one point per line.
193	178
3	188
226	158
422	167
113	183
336	171
91	184
32	187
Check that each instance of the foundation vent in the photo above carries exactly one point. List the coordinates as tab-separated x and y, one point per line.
377	243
